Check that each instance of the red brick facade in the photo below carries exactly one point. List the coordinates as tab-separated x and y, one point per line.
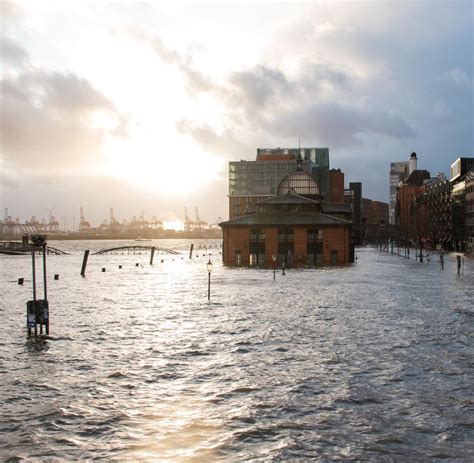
334	238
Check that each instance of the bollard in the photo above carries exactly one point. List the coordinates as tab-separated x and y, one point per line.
56	276
20	281
84	262
103	269
458	258
152	255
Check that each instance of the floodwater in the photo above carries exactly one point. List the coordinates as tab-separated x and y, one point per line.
372	361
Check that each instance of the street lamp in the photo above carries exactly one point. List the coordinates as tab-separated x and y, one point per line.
274	258
209	270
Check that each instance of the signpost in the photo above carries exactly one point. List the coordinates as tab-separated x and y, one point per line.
37	310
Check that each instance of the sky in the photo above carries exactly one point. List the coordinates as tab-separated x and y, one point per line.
140	105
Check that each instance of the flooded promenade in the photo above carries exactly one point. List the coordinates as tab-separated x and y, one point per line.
369	361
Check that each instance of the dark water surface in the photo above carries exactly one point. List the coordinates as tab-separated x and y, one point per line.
372	361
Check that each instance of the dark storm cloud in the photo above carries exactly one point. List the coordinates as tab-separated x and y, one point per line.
339	124
264	100
47	119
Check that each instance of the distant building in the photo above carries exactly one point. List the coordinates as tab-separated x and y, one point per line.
461	166
408	216
399	171
365	212
461	179
374	212
470	209
437	197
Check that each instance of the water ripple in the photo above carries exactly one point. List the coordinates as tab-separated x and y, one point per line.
366	362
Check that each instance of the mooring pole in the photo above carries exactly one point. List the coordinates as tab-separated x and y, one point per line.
33	271
32	309
45	284
208	286
84	262
152	255
191	251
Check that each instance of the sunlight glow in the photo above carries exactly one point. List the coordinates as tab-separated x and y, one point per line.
175	167
173	225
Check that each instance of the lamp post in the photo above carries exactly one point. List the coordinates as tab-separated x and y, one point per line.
209	270
274	258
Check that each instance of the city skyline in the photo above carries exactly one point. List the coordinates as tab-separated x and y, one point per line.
140	106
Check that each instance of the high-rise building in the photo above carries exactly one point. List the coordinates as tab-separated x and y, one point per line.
399	171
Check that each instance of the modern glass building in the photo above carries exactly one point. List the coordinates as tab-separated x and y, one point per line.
254	181
398	173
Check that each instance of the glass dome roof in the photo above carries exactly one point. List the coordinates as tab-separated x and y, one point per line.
300	182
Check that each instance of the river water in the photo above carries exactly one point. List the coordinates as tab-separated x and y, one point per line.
372	361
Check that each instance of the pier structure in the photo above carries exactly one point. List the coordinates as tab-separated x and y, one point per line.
135	250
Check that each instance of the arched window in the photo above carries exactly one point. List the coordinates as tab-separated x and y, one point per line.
257	247
286	246
314	246
238	257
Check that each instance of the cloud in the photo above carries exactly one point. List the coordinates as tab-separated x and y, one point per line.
339	125
12	53
195	80
266	101
225	144
257	88
458	77
10	9
53	119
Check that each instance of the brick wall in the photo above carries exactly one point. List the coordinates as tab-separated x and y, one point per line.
334	237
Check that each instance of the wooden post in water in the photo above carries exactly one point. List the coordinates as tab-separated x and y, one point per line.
44	316
152	255
191	251
31	305
84	262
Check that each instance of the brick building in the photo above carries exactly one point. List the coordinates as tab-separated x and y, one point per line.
374	212
437	199
291	228
408	209
470	209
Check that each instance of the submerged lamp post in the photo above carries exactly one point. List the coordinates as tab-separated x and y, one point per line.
209	270
274	258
